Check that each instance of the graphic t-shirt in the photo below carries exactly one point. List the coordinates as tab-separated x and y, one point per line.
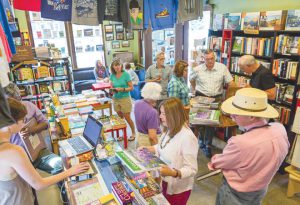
85	12
32	5
161	13
9	15
117	10
121	82
60	10
189	10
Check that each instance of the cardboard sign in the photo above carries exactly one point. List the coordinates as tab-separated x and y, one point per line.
23	53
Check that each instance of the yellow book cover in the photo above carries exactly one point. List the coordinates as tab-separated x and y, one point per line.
108	200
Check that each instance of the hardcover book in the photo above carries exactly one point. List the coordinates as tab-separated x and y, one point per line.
293	20
218	22
234	20
251	21
238	44
272	20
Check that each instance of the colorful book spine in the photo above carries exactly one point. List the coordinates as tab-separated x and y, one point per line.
123	196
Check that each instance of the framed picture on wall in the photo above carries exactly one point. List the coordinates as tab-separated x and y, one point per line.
109	36
108	29
115	44
125	44
119	28
129	35
119	36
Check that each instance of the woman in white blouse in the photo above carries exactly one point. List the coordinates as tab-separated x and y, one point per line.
178	147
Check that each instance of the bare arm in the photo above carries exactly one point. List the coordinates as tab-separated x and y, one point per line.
271	93
193	84
20	162
152	136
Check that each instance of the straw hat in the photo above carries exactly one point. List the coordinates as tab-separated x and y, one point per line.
249	102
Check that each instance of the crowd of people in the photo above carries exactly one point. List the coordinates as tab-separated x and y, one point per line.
248	162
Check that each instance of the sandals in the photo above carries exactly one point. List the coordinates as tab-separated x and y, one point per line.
120	138
132	138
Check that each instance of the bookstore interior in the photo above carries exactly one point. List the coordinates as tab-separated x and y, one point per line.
149	102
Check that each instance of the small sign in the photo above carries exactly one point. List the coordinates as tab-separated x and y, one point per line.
23	53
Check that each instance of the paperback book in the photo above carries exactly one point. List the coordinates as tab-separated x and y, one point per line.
272	20
122	194
293	20
251	21
205	117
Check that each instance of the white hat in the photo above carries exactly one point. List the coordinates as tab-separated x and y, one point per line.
249	102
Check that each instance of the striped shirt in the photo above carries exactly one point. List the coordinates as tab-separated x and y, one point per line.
177	87
165	74
210	82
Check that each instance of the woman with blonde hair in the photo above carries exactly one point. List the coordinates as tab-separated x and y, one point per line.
178	147
122	85
17	173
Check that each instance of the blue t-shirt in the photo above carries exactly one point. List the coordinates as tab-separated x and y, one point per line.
5	25
57	10
161	13
121	82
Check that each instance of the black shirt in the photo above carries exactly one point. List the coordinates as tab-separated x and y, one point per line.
262	79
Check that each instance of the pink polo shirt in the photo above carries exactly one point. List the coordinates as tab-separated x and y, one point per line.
249	161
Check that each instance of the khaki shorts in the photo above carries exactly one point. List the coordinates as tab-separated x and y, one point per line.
143	139
123	105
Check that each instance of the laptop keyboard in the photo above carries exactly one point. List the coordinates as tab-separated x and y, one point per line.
78	145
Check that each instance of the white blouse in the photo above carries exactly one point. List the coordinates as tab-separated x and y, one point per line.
180	152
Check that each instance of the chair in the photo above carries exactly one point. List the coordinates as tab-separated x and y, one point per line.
83	79
136	92
294	181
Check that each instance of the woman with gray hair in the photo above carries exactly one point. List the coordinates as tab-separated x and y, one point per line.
146	116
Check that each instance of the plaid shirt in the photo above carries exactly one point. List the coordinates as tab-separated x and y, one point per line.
210	82
177	87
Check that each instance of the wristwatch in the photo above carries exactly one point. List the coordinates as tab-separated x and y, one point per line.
124	89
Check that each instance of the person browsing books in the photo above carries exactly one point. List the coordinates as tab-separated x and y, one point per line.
146	116
250	160
208	80
122	85
159	73
177	86
101	72
178	147
261	77
46	161
17	173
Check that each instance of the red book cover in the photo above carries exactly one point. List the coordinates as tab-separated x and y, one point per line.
32	5
121	193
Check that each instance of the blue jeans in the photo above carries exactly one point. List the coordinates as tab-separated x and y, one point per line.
206	135
48	162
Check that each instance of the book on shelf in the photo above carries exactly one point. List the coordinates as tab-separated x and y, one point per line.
272	20
215	43
293	20
205	117
238	44
286	44
284	113
280	91
251	22
42	72
233	21
285	68
218	22
288	95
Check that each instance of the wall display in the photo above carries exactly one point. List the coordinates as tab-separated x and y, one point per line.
136	13
85	12
108	29
251	21
115	44
233	21
109	36
129	35
79	33
119	28
88	32
125	44
99	47
97	32
119	36
272	20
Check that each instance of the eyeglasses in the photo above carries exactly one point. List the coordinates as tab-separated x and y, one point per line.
209	59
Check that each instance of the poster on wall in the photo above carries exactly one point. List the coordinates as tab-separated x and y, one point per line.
9	15
136	13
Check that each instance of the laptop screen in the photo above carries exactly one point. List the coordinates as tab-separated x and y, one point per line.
92	131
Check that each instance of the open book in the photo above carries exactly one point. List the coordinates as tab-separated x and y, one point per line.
34	143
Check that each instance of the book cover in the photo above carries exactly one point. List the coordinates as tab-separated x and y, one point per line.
129	162
121	193
293	20
251	21
108	200
272	20
238	44
234	20
218	22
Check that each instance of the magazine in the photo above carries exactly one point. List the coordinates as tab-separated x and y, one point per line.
205	117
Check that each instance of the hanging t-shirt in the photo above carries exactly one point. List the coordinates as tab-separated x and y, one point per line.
117	10
189	10
136	10
85	12
161	13
32	5
5	26
9	15
6	49
57	10
101	10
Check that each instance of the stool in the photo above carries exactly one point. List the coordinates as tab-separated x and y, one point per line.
294	181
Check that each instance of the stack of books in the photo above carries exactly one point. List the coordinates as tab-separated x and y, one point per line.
205	117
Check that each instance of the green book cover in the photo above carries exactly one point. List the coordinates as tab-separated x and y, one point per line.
237	45
128	162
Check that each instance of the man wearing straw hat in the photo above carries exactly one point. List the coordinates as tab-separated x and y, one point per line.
250	160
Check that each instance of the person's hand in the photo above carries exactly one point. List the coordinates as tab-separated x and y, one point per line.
158	79
79	168
119	89
166	171
28	131
210	166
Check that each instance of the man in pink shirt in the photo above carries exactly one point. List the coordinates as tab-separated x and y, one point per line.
250	160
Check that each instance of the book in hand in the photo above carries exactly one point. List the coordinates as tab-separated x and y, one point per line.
205	117
33	143
209	174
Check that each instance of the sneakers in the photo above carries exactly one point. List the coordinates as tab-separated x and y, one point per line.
207	152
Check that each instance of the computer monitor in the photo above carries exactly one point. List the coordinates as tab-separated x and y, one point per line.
92	131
